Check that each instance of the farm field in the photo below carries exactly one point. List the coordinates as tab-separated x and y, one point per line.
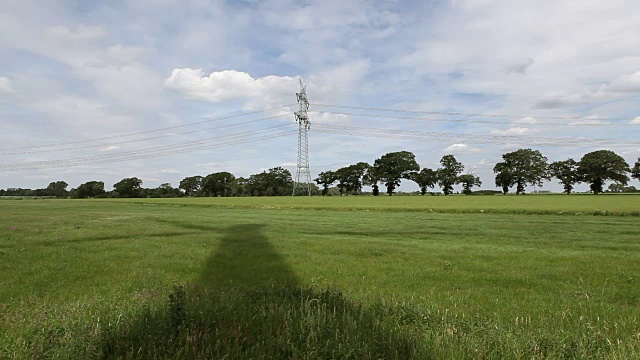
530	204
304	278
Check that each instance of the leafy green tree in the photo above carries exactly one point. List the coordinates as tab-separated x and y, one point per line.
370	178
128	187
599	166
394	166
167	191
326	179
90	189
567	172
426	178
635	172
218	184
504	178
58	189
524	166
468	181
240	187
448	173
301	190
351	178
191	185
276	182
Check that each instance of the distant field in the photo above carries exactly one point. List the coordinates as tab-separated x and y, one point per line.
294	278
528	204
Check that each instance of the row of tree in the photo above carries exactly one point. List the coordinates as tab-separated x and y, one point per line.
518	168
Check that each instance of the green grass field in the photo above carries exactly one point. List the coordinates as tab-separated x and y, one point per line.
304	278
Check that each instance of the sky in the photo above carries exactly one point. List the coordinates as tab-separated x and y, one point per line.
165	89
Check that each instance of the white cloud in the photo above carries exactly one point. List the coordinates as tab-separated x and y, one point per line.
5	86
81	33
526	120
520	66
635	121
111	148
227	85
460	149
169	171
511	131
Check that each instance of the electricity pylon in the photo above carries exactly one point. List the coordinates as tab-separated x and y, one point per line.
303	175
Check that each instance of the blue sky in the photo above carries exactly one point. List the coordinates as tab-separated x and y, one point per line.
74	71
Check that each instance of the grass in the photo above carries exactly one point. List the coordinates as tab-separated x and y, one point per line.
293	278
555	204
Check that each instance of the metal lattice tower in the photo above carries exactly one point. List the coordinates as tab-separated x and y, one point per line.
303	175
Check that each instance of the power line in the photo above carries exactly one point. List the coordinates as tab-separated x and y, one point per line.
232	139
467	121
502	116
210	120
143	139
468	138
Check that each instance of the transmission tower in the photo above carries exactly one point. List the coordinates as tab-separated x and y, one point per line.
302	170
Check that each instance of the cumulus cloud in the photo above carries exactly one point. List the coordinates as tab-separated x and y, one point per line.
635	121
227	85
5	86
460	149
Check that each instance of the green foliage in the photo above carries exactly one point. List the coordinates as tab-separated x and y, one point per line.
426	178
326	179
567	172
191	185
392	167
468	181
218	184
448	173
275	182
521	167
58	189
635	172
351	178
128	187
597	167
89	189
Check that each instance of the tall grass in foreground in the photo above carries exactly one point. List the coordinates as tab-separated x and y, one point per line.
287	322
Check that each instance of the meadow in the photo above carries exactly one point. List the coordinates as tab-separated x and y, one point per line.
305	278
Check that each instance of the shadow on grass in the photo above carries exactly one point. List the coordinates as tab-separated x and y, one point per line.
248	303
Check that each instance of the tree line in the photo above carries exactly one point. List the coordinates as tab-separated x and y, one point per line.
517	169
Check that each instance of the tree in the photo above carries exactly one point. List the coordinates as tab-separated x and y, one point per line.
58	189
351	178
448	173
326	179
635	172
218	184
128	187
370	178
394	166
599	166
567	172
504	178
276	182
90	189
426	178
468	181
166	191
525	166
191	185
